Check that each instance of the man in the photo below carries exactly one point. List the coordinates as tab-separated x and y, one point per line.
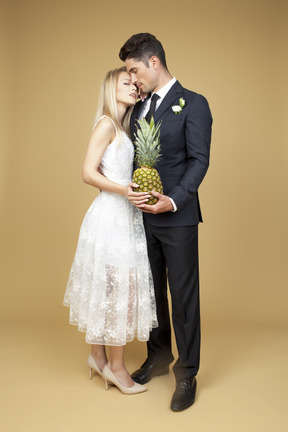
172	224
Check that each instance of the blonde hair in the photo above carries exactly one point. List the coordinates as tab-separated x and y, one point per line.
107	104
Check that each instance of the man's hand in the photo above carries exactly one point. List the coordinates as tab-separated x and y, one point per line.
163	204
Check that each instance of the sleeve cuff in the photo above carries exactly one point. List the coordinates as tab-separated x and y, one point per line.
173	204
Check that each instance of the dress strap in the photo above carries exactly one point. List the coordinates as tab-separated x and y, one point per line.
104	116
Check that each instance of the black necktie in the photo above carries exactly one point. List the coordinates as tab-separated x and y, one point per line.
151	111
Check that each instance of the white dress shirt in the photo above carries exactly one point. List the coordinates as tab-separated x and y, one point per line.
161	93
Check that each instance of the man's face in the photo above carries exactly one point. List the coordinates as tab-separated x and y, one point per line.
145	78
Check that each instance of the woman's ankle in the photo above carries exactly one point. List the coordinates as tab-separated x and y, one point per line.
100	357
116	366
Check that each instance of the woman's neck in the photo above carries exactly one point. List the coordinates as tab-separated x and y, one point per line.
121	110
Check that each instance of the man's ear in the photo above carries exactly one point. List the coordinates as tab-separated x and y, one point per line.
154	62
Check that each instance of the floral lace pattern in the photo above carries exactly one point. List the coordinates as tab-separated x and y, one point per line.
110	288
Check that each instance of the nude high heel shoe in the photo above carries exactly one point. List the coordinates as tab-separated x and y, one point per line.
91	362
110	378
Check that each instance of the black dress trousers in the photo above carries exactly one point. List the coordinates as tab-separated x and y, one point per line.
173	252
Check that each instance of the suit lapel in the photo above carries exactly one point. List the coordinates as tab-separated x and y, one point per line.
174	93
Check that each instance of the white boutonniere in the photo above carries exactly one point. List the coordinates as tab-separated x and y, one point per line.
178	108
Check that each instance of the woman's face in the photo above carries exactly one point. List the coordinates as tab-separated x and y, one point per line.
126	92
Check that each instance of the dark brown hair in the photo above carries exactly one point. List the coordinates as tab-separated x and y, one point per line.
141	47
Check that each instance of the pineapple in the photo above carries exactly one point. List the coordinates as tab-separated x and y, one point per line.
147	154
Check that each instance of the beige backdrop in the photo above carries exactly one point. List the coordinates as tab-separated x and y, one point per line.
53	56
56	53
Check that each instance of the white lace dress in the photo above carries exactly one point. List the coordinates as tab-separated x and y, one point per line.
110	289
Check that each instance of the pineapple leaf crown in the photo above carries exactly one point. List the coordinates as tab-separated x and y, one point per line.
147	143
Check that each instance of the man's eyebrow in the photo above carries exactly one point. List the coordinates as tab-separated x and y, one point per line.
133	68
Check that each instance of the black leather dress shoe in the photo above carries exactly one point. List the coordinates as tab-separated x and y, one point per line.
184	395
147	371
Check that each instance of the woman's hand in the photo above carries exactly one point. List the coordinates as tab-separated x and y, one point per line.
142	95
136	198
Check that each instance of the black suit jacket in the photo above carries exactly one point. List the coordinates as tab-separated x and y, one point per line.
185	146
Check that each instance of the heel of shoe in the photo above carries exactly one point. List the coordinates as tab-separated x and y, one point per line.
164	371
107	384
91	362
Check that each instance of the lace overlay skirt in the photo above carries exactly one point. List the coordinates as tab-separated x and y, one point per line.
110	289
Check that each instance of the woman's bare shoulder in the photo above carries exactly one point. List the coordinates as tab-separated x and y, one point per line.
105	124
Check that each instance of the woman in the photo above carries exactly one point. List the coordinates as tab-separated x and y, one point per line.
110	289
